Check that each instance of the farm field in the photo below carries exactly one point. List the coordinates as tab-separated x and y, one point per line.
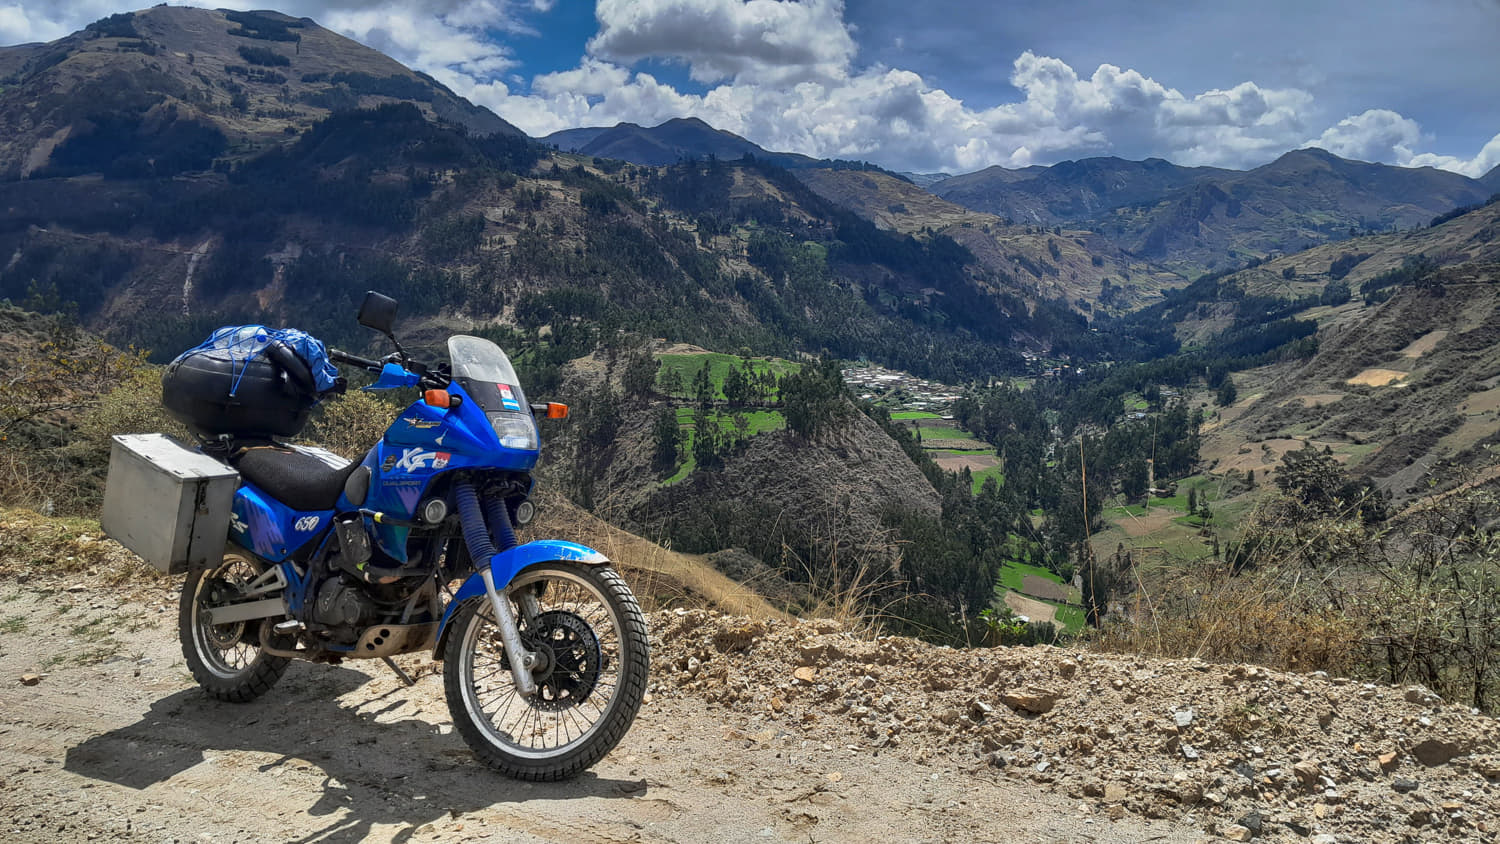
954	449
1039	595
686	366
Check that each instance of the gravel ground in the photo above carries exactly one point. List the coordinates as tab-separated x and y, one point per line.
754	730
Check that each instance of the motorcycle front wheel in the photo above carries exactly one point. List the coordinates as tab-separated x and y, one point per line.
225	659
589	635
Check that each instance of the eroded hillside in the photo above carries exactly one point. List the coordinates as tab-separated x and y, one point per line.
1401	384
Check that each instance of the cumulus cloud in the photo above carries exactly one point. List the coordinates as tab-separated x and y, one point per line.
753	41
452	47
1382	135
785	75
27	21
1376	135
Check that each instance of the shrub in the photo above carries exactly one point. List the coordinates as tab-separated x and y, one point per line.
264	56
121	25
350	424
1344	263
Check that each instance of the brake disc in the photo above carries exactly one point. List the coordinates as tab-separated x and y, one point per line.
568	663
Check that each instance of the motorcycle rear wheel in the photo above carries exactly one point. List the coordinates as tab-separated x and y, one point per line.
226	659
590	636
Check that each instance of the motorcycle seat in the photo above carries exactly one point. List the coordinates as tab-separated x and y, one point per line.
299	478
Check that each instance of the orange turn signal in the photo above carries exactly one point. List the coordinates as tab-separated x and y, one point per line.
556	411
438	398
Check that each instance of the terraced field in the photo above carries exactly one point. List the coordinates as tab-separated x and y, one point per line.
954	449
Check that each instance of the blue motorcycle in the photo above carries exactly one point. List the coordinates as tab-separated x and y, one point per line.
544	648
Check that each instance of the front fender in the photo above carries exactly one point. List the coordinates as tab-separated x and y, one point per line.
504	567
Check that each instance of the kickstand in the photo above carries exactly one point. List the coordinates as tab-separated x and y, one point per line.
405	678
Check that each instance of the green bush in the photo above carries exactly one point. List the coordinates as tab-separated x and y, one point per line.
264	56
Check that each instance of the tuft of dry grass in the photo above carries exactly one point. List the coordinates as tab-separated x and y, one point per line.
1277	608
659	576
1261	617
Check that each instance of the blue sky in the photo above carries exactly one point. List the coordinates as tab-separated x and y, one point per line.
954	86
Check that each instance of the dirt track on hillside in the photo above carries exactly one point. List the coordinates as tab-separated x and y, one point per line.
127	748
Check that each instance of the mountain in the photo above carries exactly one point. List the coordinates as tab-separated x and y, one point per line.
675	140
169	89
1403	379
1076	265
1491	180
1301	199
160	188
924	180
570	140
1195	218
1070	191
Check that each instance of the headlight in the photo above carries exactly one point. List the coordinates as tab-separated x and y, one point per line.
515	430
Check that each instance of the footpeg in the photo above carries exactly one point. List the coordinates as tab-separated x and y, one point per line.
289	626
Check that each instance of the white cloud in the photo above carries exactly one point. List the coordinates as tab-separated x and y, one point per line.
1486	160
1382	135
24	22
1375	135
754	41
591	78
453	52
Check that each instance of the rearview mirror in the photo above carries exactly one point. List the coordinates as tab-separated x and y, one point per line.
378	312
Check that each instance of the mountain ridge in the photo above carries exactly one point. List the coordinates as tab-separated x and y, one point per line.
1491	179
226	83
677	139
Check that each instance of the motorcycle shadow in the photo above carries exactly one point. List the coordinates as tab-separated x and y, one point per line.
405	772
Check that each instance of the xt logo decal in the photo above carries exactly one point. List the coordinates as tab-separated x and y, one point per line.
236	524
414	459
307	523
419	423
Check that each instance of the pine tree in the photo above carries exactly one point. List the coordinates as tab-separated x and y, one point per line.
703	386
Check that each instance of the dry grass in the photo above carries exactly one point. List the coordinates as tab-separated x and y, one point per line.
1424	344
1378	377
659	576
34	546
1261	618
350	424
1275	611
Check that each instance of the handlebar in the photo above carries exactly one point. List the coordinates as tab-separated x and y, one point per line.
354	360
429	378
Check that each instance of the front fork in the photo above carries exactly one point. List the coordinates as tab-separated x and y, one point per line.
521	659
477	535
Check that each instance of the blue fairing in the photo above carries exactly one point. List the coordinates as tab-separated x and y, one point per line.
421	445
505	565
271	529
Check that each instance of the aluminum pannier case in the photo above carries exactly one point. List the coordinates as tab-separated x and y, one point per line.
167	503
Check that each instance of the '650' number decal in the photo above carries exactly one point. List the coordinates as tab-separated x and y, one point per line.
414	459
307	523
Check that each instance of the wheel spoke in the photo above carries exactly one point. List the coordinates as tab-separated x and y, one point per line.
576	636
227	660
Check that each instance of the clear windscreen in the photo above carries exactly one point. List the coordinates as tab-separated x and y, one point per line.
486	375
478	359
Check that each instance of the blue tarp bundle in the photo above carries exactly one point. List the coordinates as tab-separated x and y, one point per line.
244	343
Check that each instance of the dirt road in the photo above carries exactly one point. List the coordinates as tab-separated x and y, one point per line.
114	742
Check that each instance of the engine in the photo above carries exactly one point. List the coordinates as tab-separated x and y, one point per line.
345	606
